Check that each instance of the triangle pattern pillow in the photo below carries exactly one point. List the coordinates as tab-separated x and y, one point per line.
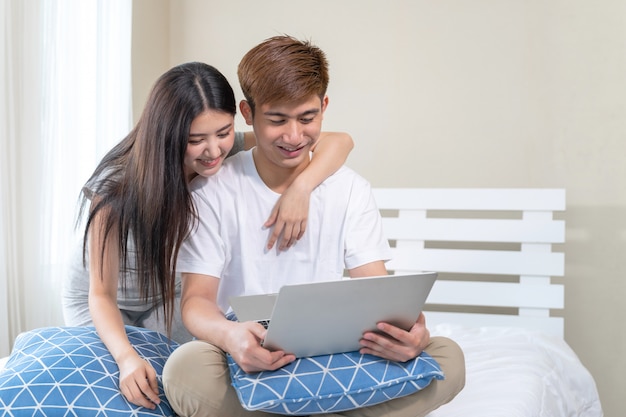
68	371
331	383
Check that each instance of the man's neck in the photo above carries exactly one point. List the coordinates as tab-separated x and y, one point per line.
277	178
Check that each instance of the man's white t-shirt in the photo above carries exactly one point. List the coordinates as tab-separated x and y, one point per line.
344	230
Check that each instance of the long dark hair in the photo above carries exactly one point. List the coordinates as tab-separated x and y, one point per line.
140	183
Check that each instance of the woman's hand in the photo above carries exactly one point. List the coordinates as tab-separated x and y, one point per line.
397	344
138	381
289	216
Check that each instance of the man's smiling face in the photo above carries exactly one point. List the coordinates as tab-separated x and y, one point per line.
285	134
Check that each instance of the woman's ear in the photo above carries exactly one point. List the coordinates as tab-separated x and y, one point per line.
246	112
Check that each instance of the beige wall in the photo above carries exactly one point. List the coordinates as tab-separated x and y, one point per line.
457	93
150	48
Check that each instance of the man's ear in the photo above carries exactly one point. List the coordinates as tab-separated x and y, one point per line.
246	112
324	103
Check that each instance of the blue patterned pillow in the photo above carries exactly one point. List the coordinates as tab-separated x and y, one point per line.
67	371
331	383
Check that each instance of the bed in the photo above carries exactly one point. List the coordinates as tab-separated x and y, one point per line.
496	251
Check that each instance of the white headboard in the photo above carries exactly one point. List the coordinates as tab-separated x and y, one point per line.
493	249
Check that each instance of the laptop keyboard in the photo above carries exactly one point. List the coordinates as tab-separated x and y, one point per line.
264	323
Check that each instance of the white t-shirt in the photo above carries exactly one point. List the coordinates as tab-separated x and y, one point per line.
344	230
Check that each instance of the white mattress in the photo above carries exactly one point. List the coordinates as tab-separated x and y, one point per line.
516	373
519	373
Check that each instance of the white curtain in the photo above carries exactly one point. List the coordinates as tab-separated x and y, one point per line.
65	100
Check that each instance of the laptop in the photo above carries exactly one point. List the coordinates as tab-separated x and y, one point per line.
330	317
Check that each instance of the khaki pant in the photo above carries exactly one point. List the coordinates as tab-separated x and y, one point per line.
197	383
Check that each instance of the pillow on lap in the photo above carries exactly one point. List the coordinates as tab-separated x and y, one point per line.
68	371
331	383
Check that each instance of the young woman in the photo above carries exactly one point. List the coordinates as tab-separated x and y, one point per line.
140	211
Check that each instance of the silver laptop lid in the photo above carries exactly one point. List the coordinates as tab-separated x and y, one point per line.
330	317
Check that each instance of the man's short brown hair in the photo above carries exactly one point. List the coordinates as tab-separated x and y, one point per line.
283	69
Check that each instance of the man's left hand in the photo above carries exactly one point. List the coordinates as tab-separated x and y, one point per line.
396	344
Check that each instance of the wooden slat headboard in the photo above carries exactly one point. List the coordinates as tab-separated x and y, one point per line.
493	248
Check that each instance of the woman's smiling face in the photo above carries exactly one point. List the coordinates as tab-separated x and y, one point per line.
211	138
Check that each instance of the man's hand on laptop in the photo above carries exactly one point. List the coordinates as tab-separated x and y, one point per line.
396	344
244	345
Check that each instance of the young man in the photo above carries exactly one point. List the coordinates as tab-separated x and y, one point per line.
284	83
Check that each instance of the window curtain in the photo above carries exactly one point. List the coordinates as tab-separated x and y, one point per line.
65	100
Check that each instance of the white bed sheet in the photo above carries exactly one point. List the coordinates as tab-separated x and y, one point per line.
519	373
516	373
